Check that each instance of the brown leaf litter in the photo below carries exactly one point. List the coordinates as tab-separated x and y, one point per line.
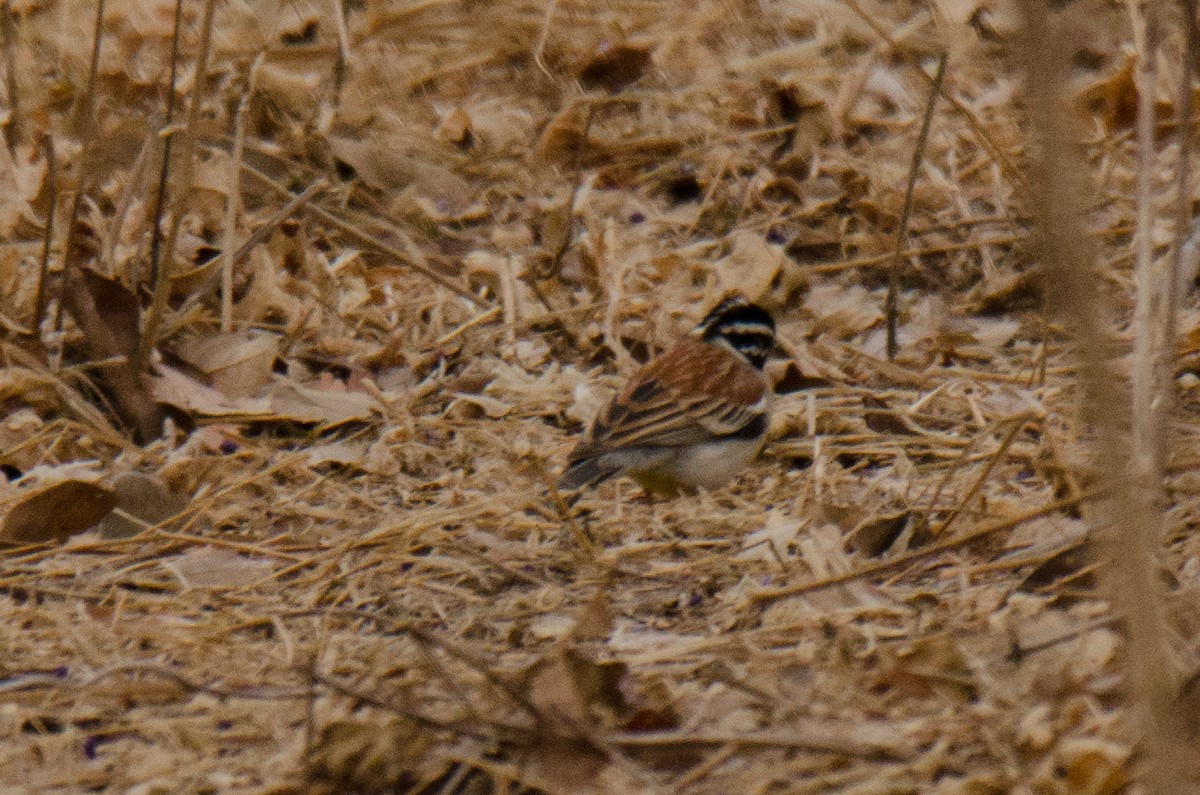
456	227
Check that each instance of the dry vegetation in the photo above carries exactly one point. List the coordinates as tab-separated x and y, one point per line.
413	245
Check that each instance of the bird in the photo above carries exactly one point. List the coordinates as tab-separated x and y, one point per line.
691	418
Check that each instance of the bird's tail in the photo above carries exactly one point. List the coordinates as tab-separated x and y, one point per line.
585	472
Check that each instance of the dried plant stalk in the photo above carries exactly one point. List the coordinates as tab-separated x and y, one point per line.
233	203
164	269
1152	279
87	126
893	292
1124	517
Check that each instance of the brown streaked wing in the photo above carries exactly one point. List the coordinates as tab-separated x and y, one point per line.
721	391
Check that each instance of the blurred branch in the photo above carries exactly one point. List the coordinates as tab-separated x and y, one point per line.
1124	517
1152	279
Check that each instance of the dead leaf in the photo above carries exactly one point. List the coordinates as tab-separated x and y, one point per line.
21	176
572	691
56	512
341	452
16	429
572	694
1088	766
174	388
751	266
878	534
325	407
842	311
882	418
145	499
239	363
594	621
935	664
216	567
1070	568
490	406
455	128
108	313
295	91
773	542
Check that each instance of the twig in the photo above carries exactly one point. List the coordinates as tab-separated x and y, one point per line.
540	48
87	124
830	739
131	190
233	203
39	299
1017	423
298	201
164	267
469	729
893	292
164	170
582	536
36	681
775	594
367	239
14	129
343	48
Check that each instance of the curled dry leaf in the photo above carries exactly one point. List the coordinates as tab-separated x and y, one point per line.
878	534
56	512
573	694
572	691
1086	766
342	453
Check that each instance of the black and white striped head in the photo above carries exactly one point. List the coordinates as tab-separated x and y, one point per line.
744	327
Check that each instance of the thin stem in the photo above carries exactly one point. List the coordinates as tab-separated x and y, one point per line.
893	293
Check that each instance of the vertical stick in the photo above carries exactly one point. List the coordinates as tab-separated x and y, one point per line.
1151	281
893	293
39	297
233	203
164	171
164	265
1124	517
87	127
1183	203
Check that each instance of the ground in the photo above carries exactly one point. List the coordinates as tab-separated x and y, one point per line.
416	246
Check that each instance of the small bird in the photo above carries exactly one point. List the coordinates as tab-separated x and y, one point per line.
693	417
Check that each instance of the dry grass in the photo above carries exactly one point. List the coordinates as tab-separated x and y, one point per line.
454	225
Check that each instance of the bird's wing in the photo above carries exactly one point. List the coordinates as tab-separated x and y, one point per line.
691	394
